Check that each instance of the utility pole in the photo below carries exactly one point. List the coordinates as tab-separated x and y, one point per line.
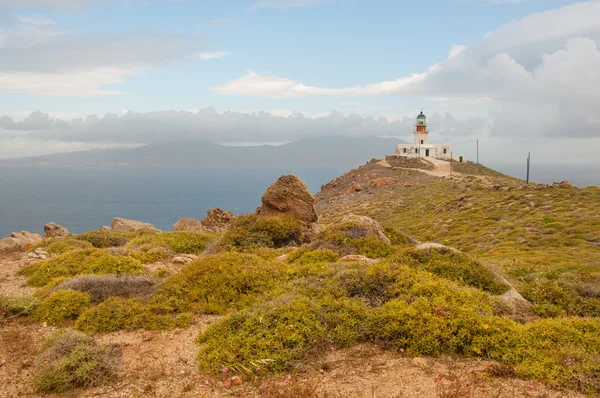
477	150
528	165
451	162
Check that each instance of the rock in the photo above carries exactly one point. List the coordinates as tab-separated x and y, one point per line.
289	196
356	258
217	220
189	224
123	224
39	253
283	258
19	241
355	187
236	380
104	228
432	245
184	259
562	184
382	182
420	362
53	230
531	230
367	226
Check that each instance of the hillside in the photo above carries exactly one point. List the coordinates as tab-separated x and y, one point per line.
320	151
472	286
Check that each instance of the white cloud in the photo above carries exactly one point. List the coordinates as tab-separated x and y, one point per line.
286	3
56	4
351	104
213	55
522	65
39	20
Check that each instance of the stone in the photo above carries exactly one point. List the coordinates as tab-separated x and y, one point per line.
125	225
382	182
217	220
289	196
184	259
189	225
356	258
39	254
19	241
283	258
355	187
367	227
55	230
562	184
433	245
104	228
236	380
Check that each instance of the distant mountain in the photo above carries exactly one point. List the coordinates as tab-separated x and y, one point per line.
321	151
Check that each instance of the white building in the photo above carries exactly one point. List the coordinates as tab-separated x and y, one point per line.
421	146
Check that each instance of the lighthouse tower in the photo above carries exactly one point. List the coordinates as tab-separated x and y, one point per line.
421	133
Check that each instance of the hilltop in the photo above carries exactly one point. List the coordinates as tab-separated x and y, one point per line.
397	279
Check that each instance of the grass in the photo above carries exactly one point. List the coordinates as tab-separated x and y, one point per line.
178	242
101	287
79	262
106	239
12	307
64	245
70	359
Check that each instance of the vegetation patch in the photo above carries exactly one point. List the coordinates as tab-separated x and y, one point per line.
63	245
149	253
351	238
11	307
130	314
78	262
70	359
217	283
62	307
250	231
101	287
106	239
306	256
178	242
454	266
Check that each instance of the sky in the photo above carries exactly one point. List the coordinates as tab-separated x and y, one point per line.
518	75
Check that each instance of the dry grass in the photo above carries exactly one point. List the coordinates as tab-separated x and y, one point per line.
101	287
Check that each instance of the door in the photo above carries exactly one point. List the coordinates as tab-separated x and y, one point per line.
460	159
426	152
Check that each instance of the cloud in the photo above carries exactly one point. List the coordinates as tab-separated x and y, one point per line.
286	3
227	127
523	65
39	20
350	104
213	55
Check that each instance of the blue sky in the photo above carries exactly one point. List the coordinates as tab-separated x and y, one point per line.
73	58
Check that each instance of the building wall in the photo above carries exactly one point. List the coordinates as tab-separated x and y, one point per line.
421	137
435	151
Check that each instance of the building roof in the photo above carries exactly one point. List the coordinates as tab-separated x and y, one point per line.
421	116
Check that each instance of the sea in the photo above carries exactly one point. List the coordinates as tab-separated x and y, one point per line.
85	198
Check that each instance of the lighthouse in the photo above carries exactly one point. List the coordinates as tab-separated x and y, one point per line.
421	148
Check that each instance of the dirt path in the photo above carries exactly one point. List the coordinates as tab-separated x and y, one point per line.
441	167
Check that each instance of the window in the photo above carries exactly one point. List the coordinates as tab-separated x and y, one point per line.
445	151
421	141
404	150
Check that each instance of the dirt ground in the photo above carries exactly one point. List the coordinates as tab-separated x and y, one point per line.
163	364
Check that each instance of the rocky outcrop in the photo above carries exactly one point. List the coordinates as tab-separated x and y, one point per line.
189	225
125	225
290	196
433	245
554	185
366	227
39	254
217	220
19	241
55	230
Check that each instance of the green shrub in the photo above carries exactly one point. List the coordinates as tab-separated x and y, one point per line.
553	298
70	359
129	314
101	287
351	238
60	246
17	306
62	307
251	231
148	253
178	242
78	262
454	266
217	283
396	237
106	239
273	336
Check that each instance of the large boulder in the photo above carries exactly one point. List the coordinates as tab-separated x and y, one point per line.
189	225
122	224
366	227
217	220
19	241
290	196
54	230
